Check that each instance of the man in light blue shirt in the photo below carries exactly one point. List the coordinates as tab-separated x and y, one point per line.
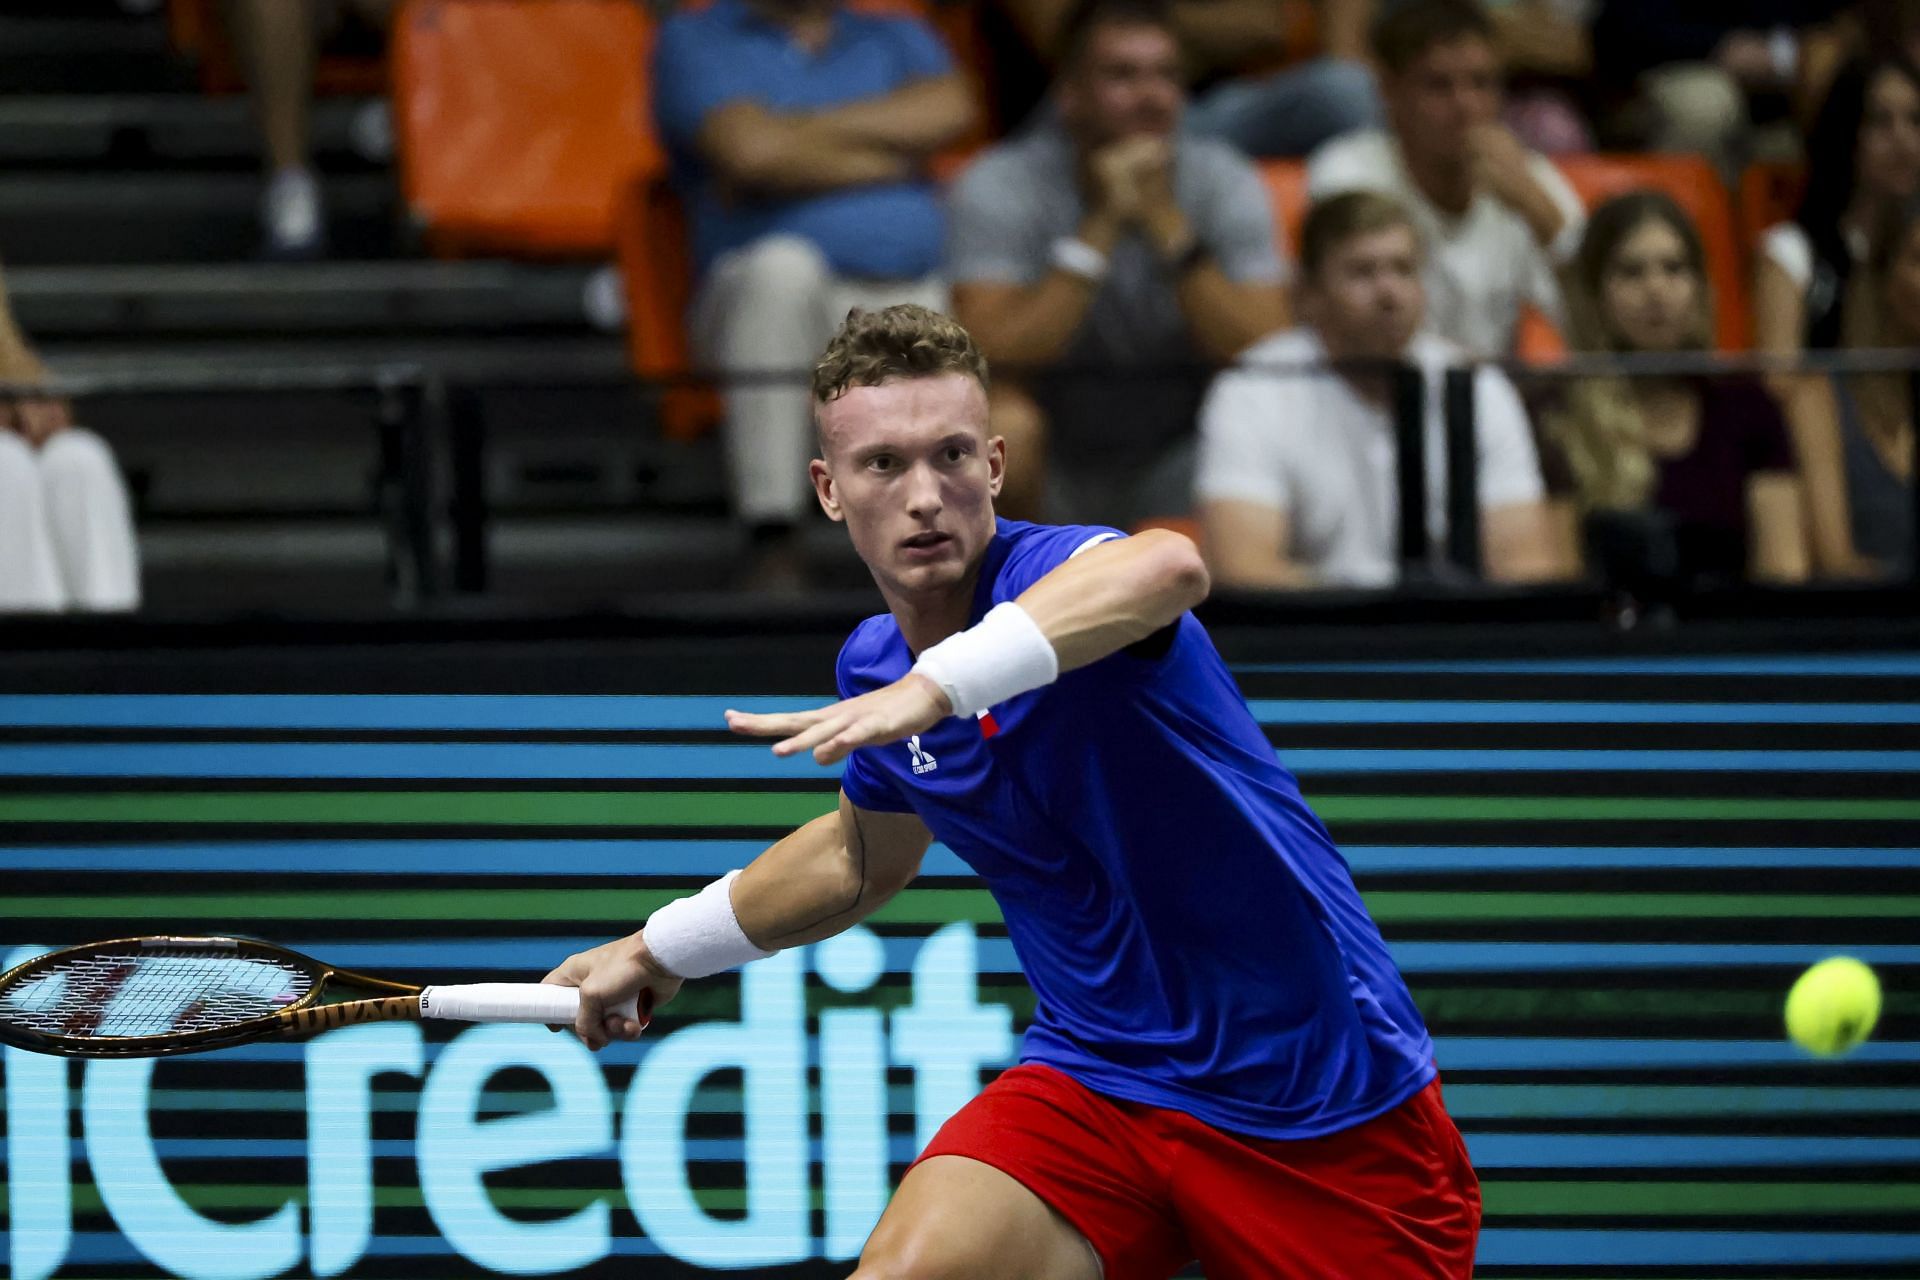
799	133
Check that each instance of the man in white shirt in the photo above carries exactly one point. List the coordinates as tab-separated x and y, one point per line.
1297	479
1498	219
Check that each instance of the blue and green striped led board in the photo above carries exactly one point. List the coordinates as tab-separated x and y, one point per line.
1600	877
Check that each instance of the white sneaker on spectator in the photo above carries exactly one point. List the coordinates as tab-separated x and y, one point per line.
604	299
290	215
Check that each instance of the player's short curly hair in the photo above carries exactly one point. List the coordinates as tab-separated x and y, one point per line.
903	341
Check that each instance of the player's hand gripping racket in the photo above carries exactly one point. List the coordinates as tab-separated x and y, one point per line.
154	997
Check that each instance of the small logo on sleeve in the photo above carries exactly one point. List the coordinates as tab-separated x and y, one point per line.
923	761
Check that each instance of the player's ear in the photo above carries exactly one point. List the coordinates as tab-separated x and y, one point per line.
996	464
823	489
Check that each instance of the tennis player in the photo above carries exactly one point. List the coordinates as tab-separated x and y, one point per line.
1224	1064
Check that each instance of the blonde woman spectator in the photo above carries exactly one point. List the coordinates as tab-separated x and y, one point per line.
1698	472
66	535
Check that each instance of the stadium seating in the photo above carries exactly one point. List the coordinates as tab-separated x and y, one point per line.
1287	189
198	29
521	123
658	274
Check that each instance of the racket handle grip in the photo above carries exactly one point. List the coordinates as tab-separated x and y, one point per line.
537	1002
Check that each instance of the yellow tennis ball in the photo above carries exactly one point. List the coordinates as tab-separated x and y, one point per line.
1833	1006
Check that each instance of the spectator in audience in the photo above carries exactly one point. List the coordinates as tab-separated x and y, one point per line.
1284	97
799	132
66	534
1874	412
1546	47
1863	162
1495	217
1677	481
1298	476
1889	24
1096	258
1269	77
1702	65
279	42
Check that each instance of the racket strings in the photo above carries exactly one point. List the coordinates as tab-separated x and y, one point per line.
153	992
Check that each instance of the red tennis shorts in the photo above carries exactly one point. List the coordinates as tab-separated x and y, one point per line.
1152	1190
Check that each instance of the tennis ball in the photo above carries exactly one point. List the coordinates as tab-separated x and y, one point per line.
1833	1006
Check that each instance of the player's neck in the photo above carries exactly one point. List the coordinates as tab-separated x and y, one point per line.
927	618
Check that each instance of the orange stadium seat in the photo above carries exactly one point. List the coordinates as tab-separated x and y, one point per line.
656	261
656	266
1694	185
521	123
1537	339
1287	190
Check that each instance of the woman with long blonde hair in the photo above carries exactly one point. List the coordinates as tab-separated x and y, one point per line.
1702	466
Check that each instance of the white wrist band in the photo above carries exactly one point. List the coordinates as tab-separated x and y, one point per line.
1076	257
1004	654
699	936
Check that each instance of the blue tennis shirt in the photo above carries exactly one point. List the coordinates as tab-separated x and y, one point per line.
1194	937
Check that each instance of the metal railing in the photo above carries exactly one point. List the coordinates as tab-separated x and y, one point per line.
427	424
407	401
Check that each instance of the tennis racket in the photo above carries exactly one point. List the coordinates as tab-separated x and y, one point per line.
159	996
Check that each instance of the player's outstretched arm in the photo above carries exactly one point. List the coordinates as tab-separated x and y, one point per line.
1114	594
827	876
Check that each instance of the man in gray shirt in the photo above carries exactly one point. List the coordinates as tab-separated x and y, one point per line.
1101	260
